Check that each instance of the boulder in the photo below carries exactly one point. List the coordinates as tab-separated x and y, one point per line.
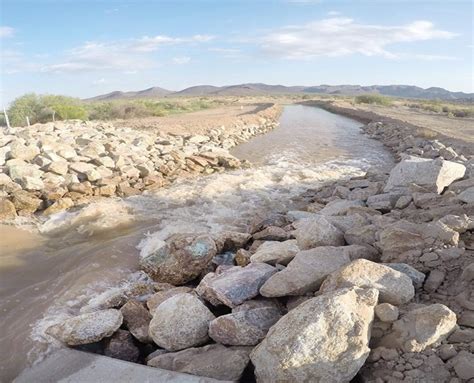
421	327
317	231
180	259
230	240
400	237
121	346
158	298
394	287
416	276
273	252
7	209
212	361
25	201
235	285
463	364
271	233
23	152
137	319
467	195
306	271
339	207
324	339
87	328
180	322
433	175
245	327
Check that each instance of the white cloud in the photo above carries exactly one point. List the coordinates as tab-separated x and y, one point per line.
125	55
334	13
181	60
99	81
338	36
6	31
227	52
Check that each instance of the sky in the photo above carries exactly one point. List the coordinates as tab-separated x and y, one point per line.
83	48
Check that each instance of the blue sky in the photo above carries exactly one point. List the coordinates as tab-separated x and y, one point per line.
84	48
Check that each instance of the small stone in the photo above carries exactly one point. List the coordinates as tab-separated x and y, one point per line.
121	346
463	364
271	233
434	280
386	312
137	319
447	351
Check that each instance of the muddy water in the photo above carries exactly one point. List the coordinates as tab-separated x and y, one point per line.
46	277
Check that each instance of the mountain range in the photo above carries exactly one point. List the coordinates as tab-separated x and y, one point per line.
405	91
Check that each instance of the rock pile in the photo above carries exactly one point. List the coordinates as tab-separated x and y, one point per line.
375	280
52	167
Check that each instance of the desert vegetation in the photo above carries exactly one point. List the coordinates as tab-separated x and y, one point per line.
442	107
373	99
46	108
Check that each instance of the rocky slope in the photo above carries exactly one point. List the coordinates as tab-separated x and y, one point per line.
373	281
51	167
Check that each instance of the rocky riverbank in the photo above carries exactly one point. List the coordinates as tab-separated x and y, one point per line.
374	280
47	168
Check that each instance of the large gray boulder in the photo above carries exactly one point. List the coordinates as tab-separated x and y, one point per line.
212	361
394	287
87	328
306	271
317	231
180	322
433	175
180	259
235	285
324	339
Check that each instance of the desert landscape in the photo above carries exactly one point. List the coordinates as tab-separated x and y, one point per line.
176	207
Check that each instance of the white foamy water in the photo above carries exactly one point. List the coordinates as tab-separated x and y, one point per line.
86	252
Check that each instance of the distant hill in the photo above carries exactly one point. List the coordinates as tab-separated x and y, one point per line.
405	91
146	93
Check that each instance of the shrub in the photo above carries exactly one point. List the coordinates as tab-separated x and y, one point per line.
373	99
40	108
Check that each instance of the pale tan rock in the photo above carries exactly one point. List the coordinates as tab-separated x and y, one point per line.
158	298
305	272
180	322
317	231
212	361
394	287
421	328
273	252
434	175
87	328
324	339
386	312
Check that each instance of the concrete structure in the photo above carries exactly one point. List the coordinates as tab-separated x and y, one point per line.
72	366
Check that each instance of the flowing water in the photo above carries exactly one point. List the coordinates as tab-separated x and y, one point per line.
46	277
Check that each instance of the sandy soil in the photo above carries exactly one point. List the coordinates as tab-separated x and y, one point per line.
457	128
202	121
